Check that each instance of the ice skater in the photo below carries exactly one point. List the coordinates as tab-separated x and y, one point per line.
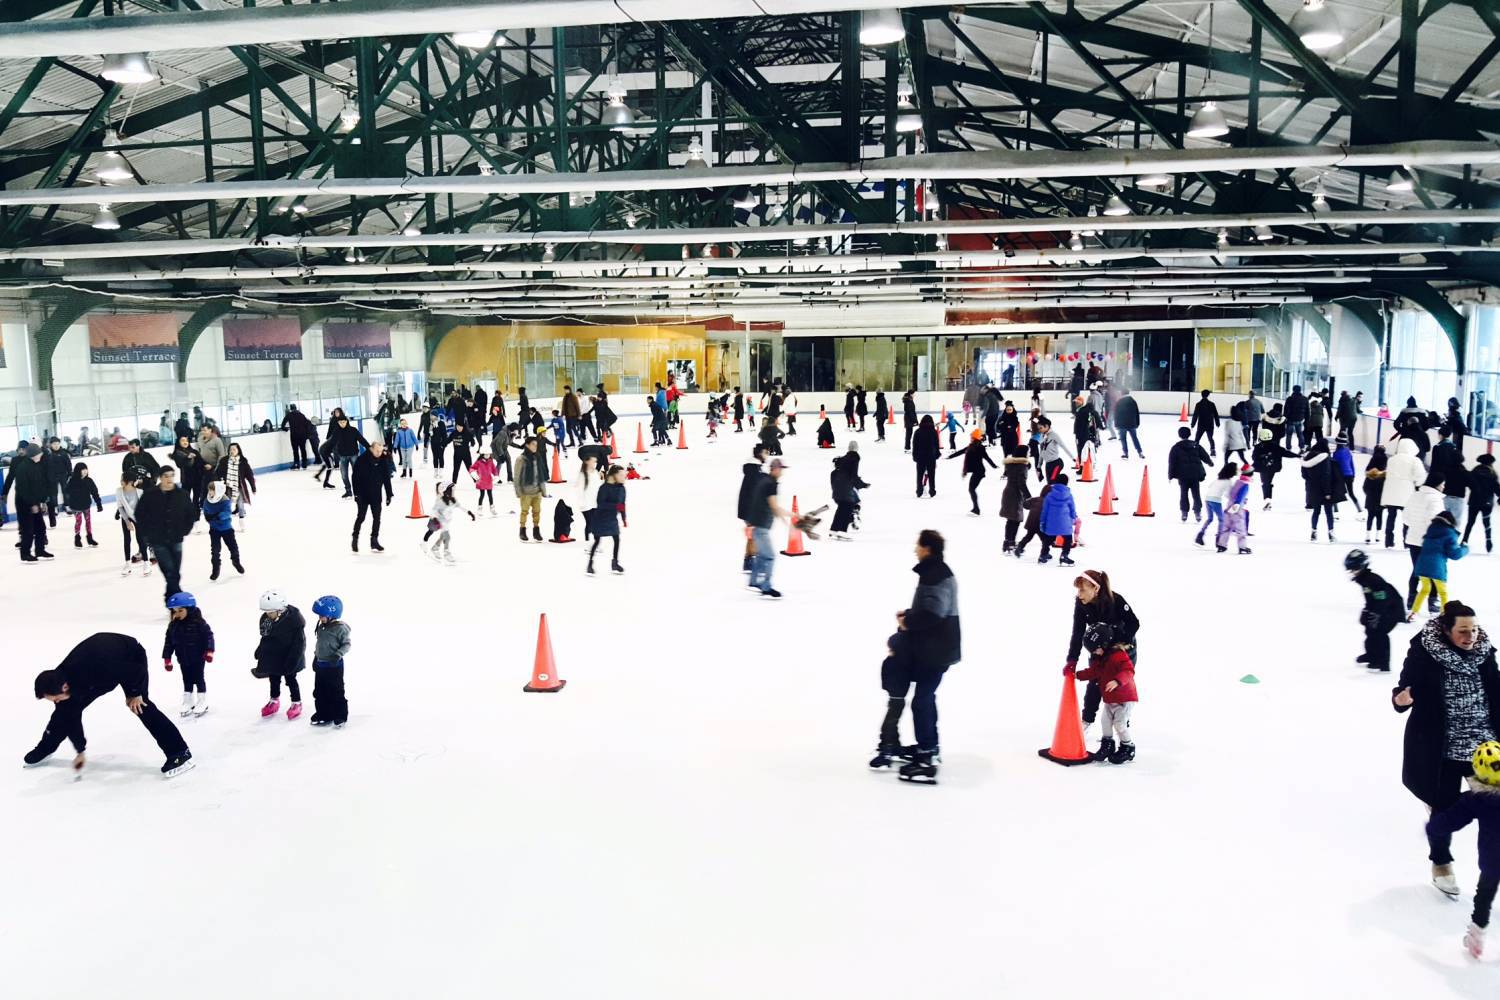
330	706
1482	803
1096	601
483	474
282	652
191	640
1185	463
238	477
1235	520
975	457
1439	546
80	494
609	504
126	497
220	530
406	447
1111	669
1482	489
1383	610
844	483
441	524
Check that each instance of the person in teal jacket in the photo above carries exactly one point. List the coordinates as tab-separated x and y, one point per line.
1439	545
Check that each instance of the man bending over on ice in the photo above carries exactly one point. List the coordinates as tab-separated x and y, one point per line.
95	667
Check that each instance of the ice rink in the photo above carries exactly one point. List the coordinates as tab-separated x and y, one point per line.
693	817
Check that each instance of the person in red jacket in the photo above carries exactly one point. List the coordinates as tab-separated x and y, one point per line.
1110	665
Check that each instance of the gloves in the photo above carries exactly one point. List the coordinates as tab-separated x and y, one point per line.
168	662
99	507
1070	668
208	657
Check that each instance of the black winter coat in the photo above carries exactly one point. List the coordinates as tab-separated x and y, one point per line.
909	410
187	462
1266	456
1296	407
283	645
81	494
925	446
296	421
1016	489
165	518
1119	615
1126	414
1186	462
95	667
1482	487
190	640
844	480
1384	605
1205	415
32	486
932	621
371	478
1318	482
59	466
140	467
1425	745
750	474
976	456
347	440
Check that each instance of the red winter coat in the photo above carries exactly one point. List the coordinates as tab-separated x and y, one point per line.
484	473
1115	665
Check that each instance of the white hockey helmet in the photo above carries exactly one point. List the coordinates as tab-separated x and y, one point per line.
272	600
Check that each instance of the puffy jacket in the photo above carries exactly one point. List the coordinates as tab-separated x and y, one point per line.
406	438
59	466
750	474
484	473
1439	545
1482	487
219	515
932	621
1058	511
1296	407
1015	471
1403	474
139	467
1266	456
1318	480
163	517
346	439
1114	665
190	640
82	493
1186	461
331	644
1126	414
1420	510
371	477
925	445
283	645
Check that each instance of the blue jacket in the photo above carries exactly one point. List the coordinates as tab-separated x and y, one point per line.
1058	511
661	399
1345	459
190	639
1483	806
559	426
952	424
406	438
218	515
1438	546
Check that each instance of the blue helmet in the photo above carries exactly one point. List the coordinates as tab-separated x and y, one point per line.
328	606
182	599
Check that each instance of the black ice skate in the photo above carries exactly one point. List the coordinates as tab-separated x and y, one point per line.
921	769
1124	755
180	764
887	755
1106	749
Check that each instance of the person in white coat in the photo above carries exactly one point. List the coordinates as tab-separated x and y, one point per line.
789	407
586	493
1424	505
1403	474
1234	435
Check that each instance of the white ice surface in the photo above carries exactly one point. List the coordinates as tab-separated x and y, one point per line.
692	817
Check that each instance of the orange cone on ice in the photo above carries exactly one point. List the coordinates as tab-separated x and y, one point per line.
1184	418
544	678
794	544
1143	505
614	445
682	437
891	416
557	476
640	440
1087	475
942	416
416	505
1107	495
1067	746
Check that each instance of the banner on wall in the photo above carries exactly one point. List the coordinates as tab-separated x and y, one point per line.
263	339
133	339
361	341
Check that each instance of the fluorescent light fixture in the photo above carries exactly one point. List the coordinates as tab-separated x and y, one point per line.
1154	180
1317	25
1208	122
1116	206
128	67
1398	181
1263	233
478	39
881	27
105	219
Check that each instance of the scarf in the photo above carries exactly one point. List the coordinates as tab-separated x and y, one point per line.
1469	721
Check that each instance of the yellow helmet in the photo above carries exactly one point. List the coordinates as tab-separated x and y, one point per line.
1487	763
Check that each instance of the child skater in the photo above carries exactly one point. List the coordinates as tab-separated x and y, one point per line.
483	473
1439	545
190	638
1014	468
952	428
220	529
126	497
1383	610
1481	802
975	457
441	523
406	447
609	504
330	707
1343	460
1059	515
1235	518
80	494
825	433
559	430
1214	498
1110	665
282	652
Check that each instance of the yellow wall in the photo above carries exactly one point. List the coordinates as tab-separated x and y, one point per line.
1218	348
501	351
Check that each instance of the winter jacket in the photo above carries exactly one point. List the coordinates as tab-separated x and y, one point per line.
32	485
750	474
1439	545
95	667
406	438
1114	665
190	640
1266	456
1234	436
531	473
1447	459
1186	461
484	473
1403	474
244	477
371	478
165	518
283	645
1318	481
296	421
1254	409
1425	745
1384	606
1374	487
219	514
570	408
58	465
1424	506
81	493
1296	407
844	482
212	451
1315	419
1086	423
925	445
1482	487
909	410
882	408
347	440
976	456
1205	415
1033	508
1058	511
932	621
444	513
188	462
439	437
1484	806
140	467
331	644
1344	459
1118	615
609	508
1015	471
1126	414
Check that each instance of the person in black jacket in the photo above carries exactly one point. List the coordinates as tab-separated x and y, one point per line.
845	484
750	474
882	414
188	463
1127	417
861	405
164	516
1296	417
1482	490
282	652
933	643
1205	422
1266	458
95	667
1185	464
925	447
33	488
1383	610
463	444
139	465
80	494
1450	684
1096	601
59	466
191	640
975	456
297	425
346	441
372	477
849	406
909	415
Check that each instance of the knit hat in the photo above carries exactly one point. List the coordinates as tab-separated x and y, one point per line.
32	451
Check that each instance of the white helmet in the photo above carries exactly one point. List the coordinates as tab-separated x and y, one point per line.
272	600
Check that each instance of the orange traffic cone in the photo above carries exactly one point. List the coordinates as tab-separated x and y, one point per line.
1107	495
614	445
640	440
942	416
682	437
544	672
1114	494
1184	418
891	416
416	505
1067	738
794	543
557	476
1087	475
1143	505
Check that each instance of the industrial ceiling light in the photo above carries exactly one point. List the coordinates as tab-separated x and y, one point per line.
1320	198
128	67
1116	206
1093	214
105	219
744	199
1398	181
630	220
1154	180
695	154
881	27
486	169
1222	243
941	242
617	114
112	168
1317	25
300	207
908	118
1208	122
348	114
1075	242
478	39
549	253
1263	233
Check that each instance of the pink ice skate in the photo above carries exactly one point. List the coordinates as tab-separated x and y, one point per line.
294	712
271	708
1474	941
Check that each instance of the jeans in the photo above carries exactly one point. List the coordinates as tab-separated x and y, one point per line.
1323	509
924	712
1127	435
169	561
764	560
1295	427
1455	506
346	462
1215	513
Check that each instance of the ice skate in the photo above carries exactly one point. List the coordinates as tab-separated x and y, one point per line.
180	764
887	755
1330	534
1106	748
1065	561
200	705
536	533
590	569
237	567
77	541
1124	755
214	573
1474	940
523	534
616	568
1243	552
187	705
270	708
295	712
448	558
126	570
145	569
921	769
1267	505
1444	881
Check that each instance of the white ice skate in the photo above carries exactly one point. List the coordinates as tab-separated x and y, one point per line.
187	705
432	554
200	707
1474	941
448	558
126	570
1444	881
146	568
